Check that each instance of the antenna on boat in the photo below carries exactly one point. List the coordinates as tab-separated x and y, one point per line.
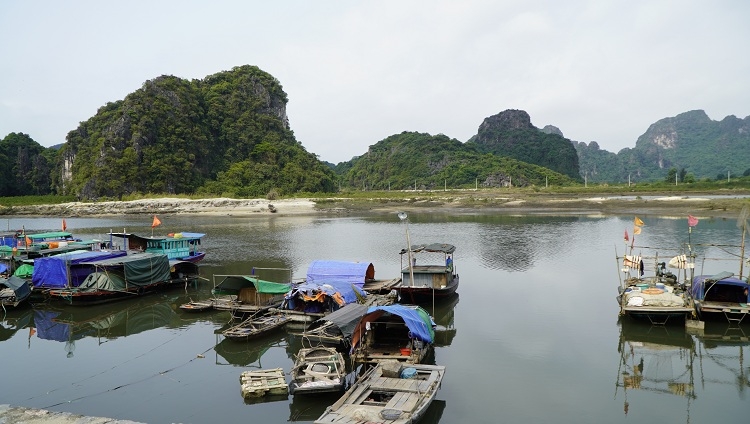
742	223
405	219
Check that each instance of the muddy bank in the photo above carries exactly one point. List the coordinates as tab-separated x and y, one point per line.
449	202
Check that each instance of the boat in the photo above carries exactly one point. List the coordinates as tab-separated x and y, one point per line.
659	296
246	296
177	246
198	305
14	291
263	382
336	328
330	285
427	273
388	392
255	327
402	332
119	278
721	296
317	370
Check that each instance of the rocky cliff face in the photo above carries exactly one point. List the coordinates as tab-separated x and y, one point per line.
511	134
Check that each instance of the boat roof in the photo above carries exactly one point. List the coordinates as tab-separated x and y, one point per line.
238	282
432	248
723	278
323	272
173	236
344	318
53	234
416	319
122	259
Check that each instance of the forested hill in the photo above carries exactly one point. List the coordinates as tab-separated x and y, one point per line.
225	134
414	160
690	143
511	134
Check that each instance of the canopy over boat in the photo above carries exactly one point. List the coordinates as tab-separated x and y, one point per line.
432	248
235	283
416	319
139	269
59	271
20	287
345	319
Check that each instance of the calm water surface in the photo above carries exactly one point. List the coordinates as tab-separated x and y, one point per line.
533	336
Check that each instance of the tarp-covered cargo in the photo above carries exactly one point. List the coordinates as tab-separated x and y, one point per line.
67	269
140	269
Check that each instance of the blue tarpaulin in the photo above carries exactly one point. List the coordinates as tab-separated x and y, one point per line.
60	270
338	276
418	321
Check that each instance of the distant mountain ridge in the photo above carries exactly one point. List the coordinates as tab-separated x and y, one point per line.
228	134
691	141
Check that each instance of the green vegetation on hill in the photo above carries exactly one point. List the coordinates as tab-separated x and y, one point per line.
404	160
226	134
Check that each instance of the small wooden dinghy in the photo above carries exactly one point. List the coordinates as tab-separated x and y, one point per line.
318	370
254	327
197	305
390	392
259	383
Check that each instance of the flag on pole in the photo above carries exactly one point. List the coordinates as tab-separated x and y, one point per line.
626	236
692	221
156	222
637	222
64	225
636	230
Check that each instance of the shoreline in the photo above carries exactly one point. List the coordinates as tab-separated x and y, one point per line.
728	205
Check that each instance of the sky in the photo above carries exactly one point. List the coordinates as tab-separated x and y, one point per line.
356	72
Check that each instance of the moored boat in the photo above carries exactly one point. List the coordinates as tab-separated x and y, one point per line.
722	296
387	393
177	246
255	327
427	273
14	291
317	370
402	332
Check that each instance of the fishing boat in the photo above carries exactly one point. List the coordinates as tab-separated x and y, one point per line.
317	370
387	393
247	296
659	296
117	278
14	291
177	246
336	328
402	332
427	273
255	327
721	296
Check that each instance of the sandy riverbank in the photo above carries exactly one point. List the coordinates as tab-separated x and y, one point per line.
449	202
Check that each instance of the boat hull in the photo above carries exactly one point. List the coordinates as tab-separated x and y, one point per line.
414	294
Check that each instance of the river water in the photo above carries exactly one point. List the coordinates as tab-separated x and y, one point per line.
533	335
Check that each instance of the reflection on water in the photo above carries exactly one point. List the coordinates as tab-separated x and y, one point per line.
673	361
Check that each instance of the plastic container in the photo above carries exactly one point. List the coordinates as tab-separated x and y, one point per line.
405	351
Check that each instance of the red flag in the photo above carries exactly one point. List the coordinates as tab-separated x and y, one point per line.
692	221
64	225
626	236
156	222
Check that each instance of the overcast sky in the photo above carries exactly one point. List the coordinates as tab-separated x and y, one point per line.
357	72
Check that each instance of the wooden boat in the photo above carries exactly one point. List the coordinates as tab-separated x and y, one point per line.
198	305
650	293
721	297
14	291
385	396
118	278
255	327
177	246
246	296
263	382
336	328
401	332
427	273
317	370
